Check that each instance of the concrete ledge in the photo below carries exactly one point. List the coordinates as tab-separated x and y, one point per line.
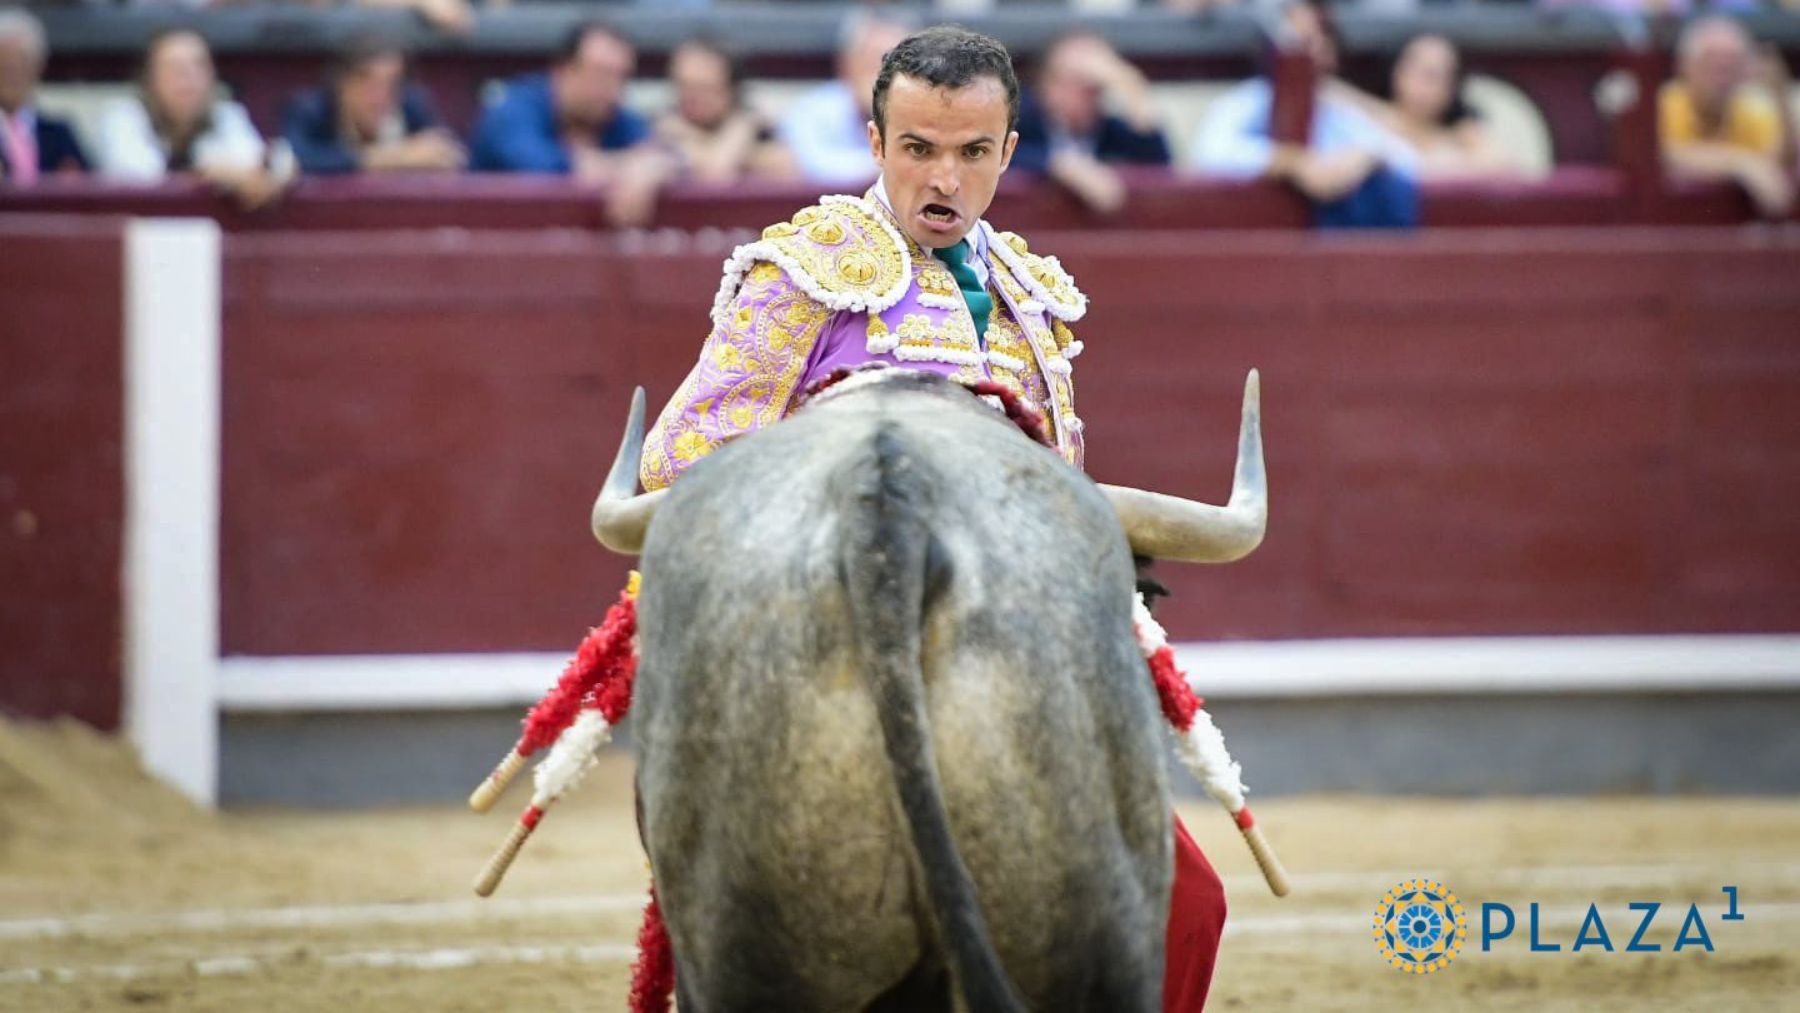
1220	671
1492	665
1554	716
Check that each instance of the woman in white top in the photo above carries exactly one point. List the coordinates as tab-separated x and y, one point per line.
176	125
1425	108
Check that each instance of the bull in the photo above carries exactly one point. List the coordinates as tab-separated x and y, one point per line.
896	745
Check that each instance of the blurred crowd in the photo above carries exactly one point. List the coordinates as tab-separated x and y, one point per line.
1724	115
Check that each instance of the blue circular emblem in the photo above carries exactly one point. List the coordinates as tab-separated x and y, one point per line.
1420	926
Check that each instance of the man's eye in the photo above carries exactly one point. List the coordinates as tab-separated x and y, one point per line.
916	149
975	152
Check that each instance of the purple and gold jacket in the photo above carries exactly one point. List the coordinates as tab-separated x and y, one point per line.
841	285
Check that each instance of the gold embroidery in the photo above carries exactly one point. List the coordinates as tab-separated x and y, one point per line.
956	331
878	328
938	282
691	446
728	357
1061	332
916	328
745	376
858	269
828	232
841	248
1016	241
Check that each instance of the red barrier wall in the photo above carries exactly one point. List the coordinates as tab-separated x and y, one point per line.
1469	433
61	483
1159	200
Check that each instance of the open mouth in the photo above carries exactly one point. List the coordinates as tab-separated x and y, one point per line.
939	216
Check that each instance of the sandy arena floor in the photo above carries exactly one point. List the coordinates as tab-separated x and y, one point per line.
116	895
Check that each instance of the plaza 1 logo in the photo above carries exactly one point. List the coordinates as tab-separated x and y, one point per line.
1420	926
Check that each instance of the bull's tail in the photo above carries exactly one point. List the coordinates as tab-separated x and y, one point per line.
891	566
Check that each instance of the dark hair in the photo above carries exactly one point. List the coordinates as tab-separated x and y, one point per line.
162	35
734	67
362	49
579	32
1456	110
181	145
947	57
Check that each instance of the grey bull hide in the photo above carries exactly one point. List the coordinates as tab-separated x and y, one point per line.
897	748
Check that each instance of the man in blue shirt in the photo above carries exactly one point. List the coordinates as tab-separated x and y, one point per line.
827	128
368	117
1356	172
571	120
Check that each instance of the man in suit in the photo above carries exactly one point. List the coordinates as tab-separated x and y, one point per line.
31	144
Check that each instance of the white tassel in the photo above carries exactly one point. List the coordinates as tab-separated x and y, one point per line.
570	759
1202	748
1150	635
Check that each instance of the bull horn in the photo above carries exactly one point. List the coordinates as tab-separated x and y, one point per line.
1168	527
620	516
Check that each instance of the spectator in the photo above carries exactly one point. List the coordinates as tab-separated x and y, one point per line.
1725	115
1089	110
1425	108
716	137
571	120
31	144
176	124
827	128
1355	171
368	118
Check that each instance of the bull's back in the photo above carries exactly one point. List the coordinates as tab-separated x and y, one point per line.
760	752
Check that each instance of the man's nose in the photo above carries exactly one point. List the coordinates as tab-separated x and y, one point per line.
944	178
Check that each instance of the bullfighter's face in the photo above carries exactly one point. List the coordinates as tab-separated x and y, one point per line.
942	155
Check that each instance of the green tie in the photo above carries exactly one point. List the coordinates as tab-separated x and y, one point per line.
980	303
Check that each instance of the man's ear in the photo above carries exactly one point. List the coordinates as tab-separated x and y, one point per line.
1006	149
874	141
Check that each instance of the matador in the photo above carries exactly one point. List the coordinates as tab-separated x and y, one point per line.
910	274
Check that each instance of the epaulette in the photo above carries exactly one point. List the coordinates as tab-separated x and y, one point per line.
1043	277
842	251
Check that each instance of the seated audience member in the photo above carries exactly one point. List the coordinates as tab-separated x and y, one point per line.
715	136
1725	115
31	144
1425	108
571	120
369	118
1088	110
827	128
1354	170
177	124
